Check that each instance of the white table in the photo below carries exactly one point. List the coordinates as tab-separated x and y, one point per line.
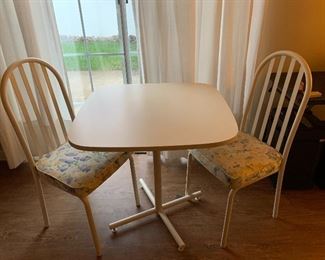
153	117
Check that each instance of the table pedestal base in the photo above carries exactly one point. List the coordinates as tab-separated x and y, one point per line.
159	207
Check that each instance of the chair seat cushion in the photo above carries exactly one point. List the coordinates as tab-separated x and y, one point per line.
79	172
242	161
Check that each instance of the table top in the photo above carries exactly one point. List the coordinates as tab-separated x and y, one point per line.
152	117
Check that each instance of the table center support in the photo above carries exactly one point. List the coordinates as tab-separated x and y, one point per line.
158	201
159	207
157	176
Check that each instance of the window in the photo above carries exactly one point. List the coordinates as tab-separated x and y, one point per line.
99	44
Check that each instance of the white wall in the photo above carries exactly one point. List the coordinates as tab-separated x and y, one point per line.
297	25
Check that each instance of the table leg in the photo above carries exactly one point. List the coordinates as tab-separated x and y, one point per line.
157	176
159	207
158	201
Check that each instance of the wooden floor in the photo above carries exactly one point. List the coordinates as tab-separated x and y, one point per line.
299	233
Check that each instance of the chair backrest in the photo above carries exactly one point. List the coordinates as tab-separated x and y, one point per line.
280	91
30	90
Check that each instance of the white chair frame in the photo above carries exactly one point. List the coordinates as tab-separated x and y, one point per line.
45	67
304	70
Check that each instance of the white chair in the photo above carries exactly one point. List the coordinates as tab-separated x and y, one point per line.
274	110
33	82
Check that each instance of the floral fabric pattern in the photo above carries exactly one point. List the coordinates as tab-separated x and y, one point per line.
79	172
242	161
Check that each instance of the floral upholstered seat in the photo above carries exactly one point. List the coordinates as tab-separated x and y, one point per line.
242	161
79	172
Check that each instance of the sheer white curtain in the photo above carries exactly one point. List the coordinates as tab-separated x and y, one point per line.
214	42
28	28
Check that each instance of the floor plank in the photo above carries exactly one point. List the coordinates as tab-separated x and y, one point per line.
297	234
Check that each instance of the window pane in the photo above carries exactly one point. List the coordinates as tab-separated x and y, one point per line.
101	21
67	18
79	80
69	29
75	61
101	26
107	70
133	43
106	45
73	47
135	68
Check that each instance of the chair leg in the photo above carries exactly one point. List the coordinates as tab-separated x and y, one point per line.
278	193
43	205
134	182
188	172
226	223
92	225
39	190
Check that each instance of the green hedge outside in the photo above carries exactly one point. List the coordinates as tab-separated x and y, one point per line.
99	62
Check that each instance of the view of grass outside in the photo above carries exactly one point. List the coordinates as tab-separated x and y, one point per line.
75	59
92	44
106	63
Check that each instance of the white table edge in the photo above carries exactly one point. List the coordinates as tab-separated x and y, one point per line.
151	148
